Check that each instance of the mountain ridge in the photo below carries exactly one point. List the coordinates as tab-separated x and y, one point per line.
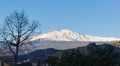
68	35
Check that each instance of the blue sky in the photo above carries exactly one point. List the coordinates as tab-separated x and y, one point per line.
94	17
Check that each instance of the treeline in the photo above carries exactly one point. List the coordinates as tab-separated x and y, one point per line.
100	57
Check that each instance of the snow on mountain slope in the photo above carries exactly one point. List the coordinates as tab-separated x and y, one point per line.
67	35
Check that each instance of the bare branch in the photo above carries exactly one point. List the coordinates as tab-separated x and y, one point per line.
12	50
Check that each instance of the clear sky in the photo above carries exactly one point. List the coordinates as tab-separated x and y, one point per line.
94	17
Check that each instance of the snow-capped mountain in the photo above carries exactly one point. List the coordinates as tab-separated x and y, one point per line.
68	35
62	40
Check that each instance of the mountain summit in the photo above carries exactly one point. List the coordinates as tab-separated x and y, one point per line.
68	35
62	39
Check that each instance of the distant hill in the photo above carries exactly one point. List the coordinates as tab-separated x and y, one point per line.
42	54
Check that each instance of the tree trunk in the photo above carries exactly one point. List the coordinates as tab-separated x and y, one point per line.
38	62
2	64
16	56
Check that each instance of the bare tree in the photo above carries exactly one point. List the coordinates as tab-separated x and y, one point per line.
17	30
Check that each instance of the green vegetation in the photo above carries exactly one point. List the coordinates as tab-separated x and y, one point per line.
100	57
